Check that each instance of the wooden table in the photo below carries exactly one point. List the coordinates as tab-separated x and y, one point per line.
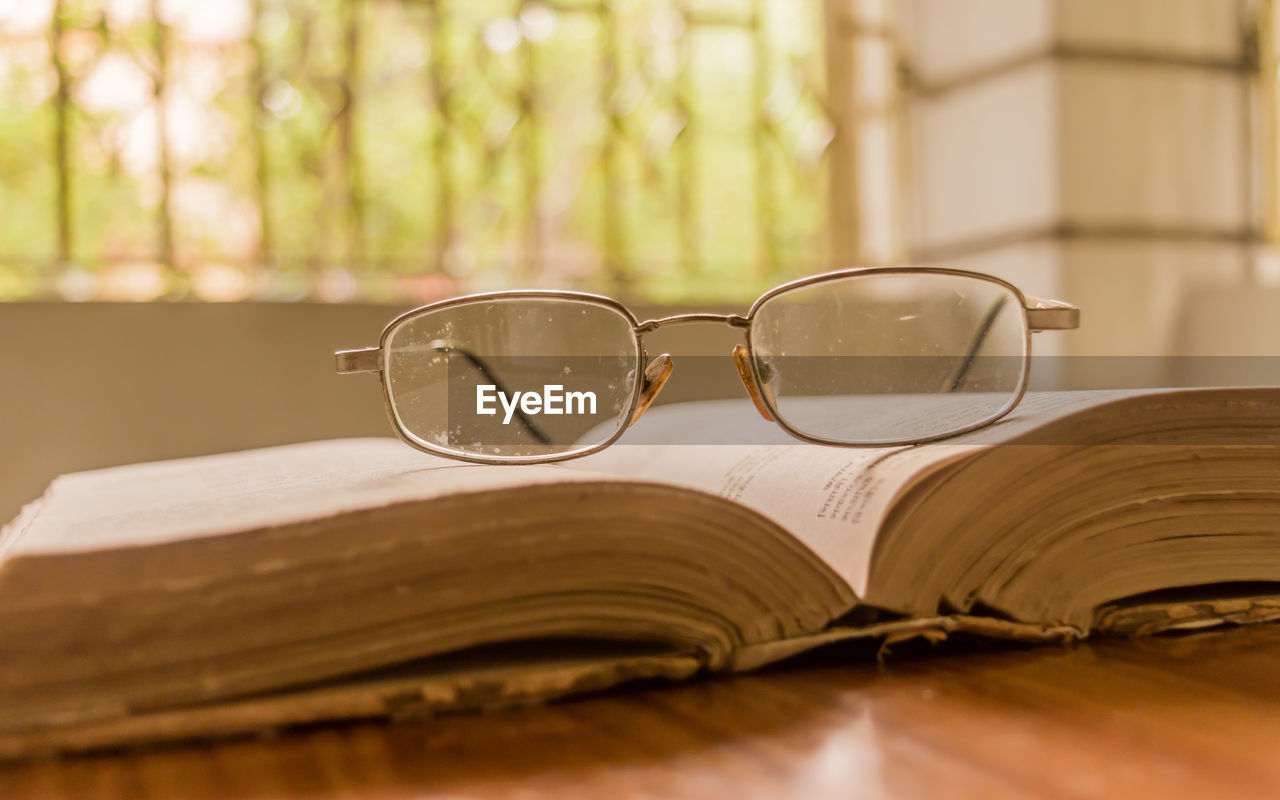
1193	716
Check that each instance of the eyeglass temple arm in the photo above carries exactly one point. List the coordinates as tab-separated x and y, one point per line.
369	359
983	331
1042	315
364	359
442	346
1051	315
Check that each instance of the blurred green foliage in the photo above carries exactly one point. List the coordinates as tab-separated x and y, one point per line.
382	149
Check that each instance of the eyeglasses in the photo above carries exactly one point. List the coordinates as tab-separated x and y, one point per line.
858	357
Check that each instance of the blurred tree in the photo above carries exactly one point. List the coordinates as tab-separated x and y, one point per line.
228	149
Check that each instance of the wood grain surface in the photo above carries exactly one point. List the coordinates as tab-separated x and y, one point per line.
1193	716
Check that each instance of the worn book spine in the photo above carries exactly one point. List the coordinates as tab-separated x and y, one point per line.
398	698
1145	619
517	684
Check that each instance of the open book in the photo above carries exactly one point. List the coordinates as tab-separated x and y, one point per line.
360	578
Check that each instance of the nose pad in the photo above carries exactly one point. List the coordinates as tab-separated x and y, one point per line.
655	376
743	362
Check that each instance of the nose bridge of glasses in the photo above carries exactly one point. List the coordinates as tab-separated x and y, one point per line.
655	377
648	326
755	391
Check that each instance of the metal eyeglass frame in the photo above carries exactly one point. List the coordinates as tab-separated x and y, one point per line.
1038	314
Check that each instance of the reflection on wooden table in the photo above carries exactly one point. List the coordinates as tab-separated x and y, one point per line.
1190	716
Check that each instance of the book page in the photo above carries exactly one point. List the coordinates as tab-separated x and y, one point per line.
148	504
831	498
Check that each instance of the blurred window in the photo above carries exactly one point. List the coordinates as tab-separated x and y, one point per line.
669	150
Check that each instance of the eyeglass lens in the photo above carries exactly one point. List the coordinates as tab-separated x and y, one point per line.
512	377
890	357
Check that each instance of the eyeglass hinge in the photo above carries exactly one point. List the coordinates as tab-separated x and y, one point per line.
1051	315
366	359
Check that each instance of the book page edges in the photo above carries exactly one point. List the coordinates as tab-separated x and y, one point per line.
13	531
